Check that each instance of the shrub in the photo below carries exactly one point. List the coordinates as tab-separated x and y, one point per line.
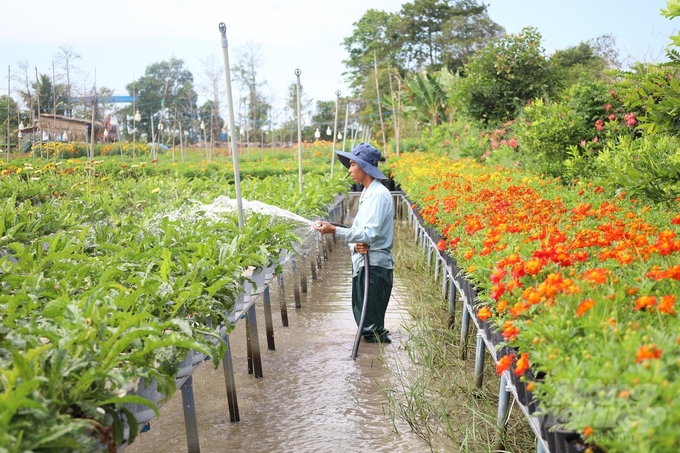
504	75
460	138
544	132
648	167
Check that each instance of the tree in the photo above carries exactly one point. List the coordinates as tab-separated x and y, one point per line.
462	36
208	113
428	97
246	73
324	116
45	91
212	87
26	83
165	88
65	58
506	74
8	121
379	31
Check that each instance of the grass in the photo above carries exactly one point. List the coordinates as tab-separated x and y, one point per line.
435	392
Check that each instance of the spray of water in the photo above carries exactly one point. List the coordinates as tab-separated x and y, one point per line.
226	204
193	211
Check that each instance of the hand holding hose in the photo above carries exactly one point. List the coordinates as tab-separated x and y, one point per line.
361	247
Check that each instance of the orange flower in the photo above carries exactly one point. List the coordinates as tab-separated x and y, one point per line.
522	364
647	352
501	305
666	305
441	245
588	431
584	307
509	331
484	313
504	363
533	266
632	291
597	276
645	302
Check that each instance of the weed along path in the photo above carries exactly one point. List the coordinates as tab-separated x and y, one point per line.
312	397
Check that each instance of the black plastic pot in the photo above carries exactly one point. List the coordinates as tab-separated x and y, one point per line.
547	423
566	438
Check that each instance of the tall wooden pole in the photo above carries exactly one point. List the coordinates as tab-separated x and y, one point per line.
37	86
9	114
232	125
377	90
335	133
299	125
395	116
93	132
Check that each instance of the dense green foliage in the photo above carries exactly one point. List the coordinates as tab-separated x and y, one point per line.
109	276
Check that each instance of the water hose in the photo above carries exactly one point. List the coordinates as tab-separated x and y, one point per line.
357	337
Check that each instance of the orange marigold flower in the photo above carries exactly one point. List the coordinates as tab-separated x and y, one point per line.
533	266
584	307
484	313
666	305
676	220
504	363
632	291
647	352
522	364
501	305
597	276
598	189
441	245
510	332
645	302
588	431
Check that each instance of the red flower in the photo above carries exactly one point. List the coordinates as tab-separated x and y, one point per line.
504	363
522	364
629	119
647	352
599	125
612	117
608	107
598	189
676	220
441	245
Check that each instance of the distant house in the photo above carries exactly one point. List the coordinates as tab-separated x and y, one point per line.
63	128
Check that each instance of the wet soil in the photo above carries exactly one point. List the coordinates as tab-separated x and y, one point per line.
312	397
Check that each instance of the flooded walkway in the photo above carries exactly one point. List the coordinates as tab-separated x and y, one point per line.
312	397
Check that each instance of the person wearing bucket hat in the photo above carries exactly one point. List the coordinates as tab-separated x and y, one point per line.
371	232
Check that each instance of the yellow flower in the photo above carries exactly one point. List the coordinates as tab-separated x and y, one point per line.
18	170
156	190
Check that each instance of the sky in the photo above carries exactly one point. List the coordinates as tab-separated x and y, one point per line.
118	40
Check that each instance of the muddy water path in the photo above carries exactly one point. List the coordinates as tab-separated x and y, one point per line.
312	397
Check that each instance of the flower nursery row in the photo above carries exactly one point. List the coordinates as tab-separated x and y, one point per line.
110	277
581	285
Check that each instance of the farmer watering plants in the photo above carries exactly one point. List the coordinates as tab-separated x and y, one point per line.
372	235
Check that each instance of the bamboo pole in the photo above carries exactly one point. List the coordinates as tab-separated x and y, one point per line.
377	90
335	133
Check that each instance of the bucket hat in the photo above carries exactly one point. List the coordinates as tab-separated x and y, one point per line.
366	156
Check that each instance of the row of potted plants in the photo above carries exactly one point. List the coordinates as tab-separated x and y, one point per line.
108	282
578	284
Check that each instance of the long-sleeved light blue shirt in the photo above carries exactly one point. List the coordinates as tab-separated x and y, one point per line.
373	225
